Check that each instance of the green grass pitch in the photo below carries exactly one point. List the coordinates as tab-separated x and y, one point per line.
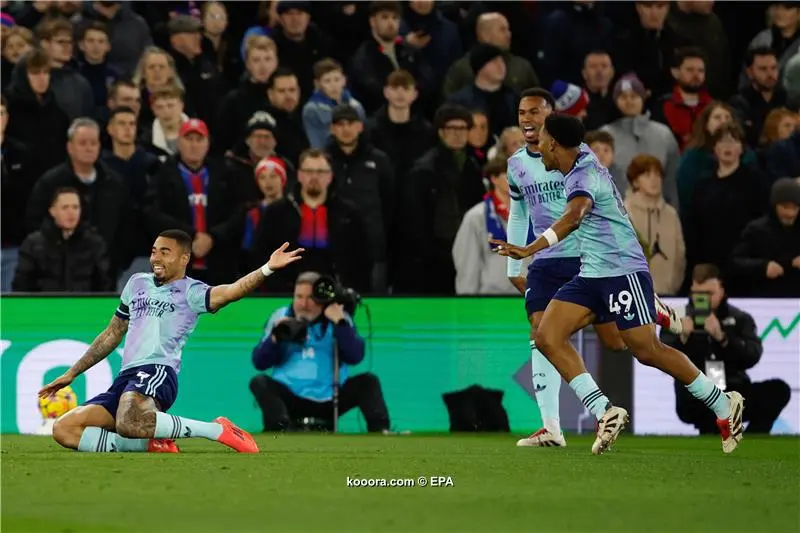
298	483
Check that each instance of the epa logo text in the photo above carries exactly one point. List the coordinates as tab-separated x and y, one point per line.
442	481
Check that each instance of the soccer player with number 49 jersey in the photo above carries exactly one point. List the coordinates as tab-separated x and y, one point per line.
159	312
614	280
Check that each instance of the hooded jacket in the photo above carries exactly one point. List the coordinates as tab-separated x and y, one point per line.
660	230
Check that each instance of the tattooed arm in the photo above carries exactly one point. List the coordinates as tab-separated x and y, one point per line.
222	295
102	345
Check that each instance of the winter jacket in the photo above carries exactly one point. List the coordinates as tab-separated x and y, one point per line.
519	75
444	47
50	263
707	33
235	110
752	110
317	115
767	38
73	93
500	106
697	164
300	56
16	183
763	240
791	79
640	135
672	111
662	236
783	158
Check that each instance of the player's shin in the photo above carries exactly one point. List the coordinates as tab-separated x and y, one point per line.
178	427
546	385
590	394
712	396
94	439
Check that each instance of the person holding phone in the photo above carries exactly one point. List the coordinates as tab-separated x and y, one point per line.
722	340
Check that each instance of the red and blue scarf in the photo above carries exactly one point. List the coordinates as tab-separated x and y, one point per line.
313	227
196	183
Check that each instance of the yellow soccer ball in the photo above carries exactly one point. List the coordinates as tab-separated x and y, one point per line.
58	404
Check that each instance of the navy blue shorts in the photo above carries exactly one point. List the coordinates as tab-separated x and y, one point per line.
627	300
545	277
157	381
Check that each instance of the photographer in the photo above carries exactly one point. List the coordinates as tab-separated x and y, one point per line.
299	342
722	340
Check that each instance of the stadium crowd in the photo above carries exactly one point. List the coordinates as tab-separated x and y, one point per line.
374	135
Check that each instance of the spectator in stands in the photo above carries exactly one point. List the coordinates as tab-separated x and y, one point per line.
300	43
602	144
155	70
330	91
16	183
396	129
762	95
791	79
270	178
218	43
511	140
479	140
598	73
64	255
93	66
768	254
493	29
698	159
635	133
35	119
689	97
779	125
657	223
783	158
567	35
783	37
193	192
441	187
648	48
478	269
384	53
301	387
162	135
363	176
697	23
260	61
283	92
725	344
121	93
571	99
259	144
487	92
723	203
105	203
16	42
330	229
428	30
201	79
73	93
135	166
130	35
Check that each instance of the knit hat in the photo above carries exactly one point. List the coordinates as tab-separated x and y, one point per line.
284	6
567	131
272	163
7	21
785	190
482	54
570	99
629	82
184	24
261	120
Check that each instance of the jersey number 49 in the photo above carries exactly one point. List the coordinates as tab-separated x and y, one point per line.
624	298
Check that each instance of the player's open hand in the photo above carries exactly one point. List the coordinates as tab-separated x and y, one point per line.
55	385
509	250
280	257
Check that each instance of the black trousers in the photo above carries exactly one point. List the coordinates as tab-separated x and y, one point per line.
281	408
763	403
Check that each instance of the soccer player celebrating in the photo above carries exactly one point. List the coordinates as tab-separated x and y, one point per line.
614	281
537	195
158	312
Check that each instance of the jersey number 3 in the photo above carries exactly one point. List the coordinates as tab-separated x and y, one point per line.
624	299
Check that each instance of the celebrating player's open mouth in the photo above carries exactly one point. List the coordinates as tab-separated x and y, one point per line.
531	133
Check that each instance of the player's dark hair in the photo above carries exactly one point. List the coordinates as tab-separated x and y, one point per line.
599	136
120	111
280	72
566	130
181	237
704	272
544	94
63	190
687	52
448	112
758	51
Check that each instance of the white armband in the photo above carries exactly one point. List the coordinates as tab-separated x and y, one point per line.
550	236
266	270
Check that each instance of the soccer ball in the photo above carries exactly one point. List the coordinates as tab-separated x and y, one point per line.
56	405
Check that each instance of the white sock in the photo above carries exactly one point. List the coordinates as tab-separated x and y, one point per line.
546	385
94	439
178	427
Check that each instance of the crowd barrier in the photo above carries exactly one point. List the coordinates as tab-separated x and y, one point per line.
420	348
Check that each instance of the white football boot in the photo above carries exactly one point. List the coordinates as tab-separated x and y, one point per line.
608	429
731	428
543	438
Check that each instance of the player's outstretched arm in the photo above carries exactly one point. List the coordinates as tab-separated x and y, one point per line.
222	295
102	345
577	208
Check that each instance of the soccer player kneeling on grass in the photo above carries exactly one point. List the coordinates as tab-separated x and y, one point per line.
158	311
